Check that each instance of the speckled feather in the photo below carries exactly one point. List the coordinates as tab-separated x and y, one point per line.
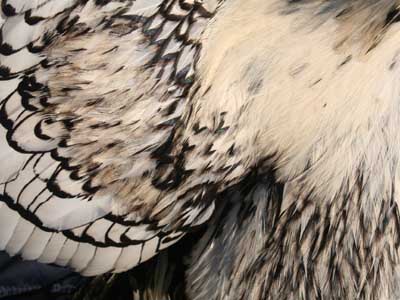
93	94
325	224
126	123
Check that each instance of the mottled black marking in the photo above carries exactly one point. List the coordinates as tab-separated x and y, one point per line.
6	49
208	150
393	16
5	72
298	70
32	20
316	82
345	61
39	131
344	12
8	9
255	85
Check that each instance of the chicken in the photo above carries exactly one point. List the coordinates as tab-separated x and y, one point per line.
126	125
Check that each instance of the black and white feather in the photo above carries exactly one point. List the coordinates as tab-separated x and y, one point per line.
127	124
92	156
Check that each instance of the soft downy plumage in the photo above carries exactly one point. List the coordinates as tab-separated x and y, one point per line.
126	125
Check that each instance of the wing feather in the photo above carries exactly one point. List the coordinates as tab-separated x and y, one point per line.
8	223
103	261
53	248
20	236
83	256
36	244
92	94
66	253
129	257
